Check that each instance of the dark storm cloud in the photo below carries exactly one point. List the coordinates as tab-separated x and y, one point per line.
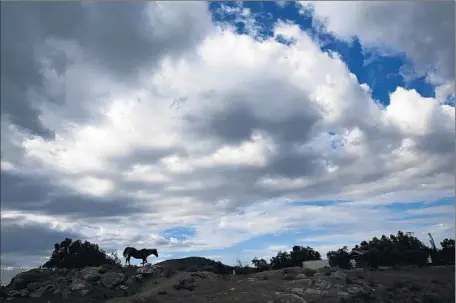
293	165
237	122
120	37
19	68
30	239
38	194
442	143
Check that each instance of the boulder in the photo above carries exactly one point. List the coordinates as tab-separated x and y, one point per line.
78	285
91	274
149	270
303	280
297	291
322	284
25	292
111	279
339	275
14	293
355	289
21	280
43	291
130	281
32	286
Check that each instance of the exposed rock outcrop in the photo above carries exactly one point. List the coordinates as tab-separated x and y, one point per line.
64	283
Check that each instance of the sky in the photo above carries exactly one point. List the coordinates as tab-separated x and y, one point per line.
224	130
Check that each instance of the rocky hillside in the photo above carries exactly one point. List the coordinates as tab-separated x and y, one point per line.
170	282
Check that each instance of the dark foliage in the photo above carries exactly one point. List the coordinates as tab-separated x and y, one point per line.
78	254
395	250
340	258
282	260
260	264
301	254
285	259
446	255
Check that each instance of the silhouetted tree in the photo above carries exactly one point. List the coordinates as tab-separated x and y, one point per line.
447	243
78	254
301	254
340	258
260	264
447	253
400	249
295	257
282	260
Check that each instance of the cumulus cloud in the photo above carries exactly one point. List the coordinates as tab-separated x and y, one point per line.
424	31
177	121
49	45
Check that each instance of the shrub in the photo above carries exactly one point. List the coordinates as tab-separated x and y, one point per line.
78	254
340	258
260	264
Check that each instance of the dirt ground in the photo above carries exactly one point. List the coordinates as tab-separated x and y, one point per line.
427	285
434	284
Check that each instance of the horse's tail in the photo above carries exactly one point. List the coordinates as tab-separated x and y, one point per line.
126	251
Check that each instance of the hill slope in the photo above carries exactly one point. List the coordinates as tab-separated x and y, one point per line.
167	282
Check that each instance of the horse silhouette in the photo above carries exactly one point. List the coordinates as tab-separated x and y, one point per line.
138	254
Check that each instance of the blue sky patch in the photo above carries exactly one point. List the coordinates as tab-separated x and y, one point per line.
382	73
179	232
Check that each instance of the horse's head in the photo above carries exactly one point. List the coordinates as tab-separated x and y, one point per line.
153	251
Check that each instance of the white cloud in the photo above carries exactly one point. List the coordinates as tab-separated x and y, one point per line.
431	210
424	31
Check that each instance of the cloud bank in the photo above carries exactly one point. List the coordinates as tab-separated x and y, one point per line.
115	131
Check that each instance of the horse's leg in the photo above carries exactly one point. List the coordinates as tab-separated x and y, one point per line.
127	260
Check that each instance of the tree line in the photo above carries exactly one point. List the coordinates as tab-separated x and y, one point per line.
395	250
400	249
283	259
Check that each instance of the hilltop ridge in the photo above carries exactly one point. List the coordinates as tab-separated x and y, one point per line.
196	279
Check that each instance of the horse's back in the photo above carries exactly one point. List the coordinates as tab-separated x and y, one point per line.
129	250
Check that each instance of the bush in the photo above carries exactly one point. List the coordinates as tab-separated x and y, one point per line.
340	258
78	254
260	264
